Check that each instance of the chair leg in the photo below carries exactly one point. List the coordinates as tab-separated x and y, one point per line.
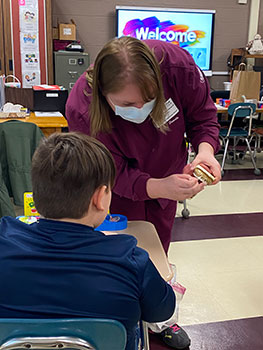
257	171
224	157
255	146
185	211
258	149
145	336
235	142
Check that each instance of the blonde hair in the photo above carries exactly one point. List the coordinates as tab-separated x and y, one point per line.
121	60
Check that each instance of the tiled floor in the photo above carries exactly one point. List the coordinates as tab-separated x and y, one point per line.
227	197
218	253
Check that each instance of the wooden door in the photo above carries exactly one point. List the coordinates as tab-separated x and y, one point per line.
7	37
2	46
49	36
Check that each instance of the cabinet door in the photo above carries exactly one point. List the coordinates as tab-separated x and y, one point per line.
2	46
69	67
7	37
49	42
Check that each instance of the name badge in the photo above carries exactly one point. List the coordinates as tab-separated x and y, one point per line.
171	111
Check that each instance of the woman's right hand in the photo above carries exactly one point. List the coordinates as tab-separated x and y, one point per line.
174	187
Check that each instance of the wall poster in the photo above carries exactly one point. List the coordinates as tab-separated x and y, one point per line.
29	46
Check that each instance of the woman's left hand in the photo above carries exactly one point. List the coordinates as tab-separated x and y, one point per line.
205	156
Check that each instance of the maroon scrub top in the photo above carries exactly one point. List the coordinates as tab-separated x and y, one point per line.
142	151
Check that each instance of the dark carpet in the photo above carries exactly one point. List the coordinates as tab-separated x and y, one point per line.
243	334
241	174
217	226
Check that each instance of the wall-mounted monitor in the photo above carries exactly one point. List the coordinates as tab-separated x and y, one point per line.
188	28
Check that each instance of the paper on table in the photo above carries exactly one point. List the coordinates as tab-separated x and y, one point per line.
220	107
48	114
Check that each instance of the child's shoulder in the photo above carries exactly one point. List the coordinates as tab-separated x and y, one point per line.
121	239
126	245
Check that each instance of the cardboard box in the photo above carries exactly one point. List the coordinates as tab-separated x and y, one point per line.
67	31
22	96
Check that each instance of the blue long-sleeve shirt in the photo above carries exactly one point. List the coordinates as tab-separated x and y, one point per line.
54	269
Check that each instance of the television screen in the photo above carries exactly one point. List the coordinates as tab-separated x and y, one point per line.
189	29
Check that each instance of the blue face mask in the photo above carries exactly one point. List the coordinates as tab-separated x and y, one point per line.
133	114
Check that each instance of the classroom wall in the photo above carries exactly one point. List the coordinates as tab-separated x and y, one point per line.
95	21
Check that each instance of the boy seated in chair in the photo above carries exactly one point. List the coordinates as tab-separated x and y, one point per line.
60	267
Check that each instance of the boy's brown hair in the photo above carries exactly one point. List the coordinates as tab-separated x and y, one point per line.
67	168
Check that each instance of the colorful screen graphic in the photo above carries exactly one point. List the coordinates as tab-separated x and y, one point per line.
189	29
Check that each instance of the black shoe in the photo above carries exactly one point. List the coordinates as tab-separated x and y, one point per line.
176	337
